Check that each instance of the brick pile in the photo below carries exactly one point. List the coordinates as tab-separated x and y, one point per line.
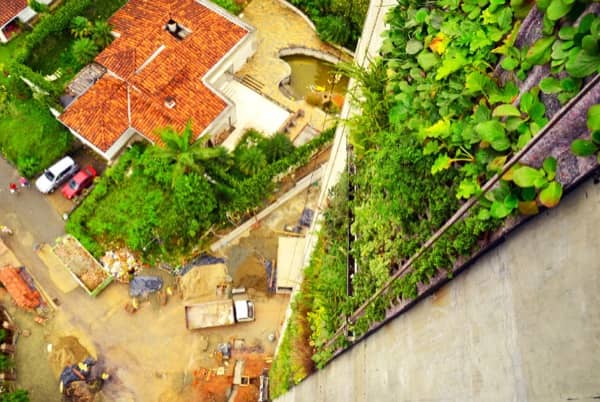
15	285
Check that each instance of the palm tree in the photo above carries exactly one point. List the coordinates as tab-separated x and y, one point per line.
251	160
81	27
277	147
102	33
84	50
189	156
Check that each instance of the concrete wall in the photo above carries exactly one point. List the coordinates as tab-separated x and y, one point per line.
522	324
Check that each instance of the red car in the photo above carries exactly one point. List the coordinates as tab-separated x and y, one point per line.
83	179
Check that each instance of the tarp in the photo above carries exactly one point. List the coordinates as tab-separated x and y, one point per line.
203	259
76	373
307	217
290	257
143	285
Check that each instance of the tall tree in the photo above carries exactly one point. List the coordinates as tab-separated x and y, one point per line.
84	50
187	155
81	27
102	33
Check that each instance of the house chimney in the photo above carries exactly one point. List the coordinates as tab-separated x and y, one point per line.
170	102
172	26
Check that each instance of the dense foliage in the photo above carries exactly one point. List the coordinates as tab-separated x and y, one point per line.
337	21
318	304
30	136
180	193
233	6
436	123
20	395
47	57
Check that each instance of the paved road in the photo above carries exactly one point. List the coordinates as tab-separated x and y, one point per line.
33	219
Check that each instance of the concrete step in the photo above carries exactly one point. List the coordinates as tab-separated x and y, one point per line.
252	82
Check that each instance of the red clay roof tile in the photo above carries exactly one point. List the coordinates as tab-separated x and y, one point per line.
9	9
154	65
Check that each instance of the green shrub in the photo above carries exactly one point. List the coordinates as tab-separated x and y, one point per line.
19	395
84	50
52	24
230	5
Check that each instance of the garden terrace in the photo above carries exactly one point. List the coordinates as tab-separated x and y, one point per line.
182	193
437	123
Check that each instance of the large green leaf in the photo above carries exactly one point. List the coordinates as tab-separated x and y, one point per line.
511	202
427	60
526	176
492	131
550	166
506	110
590	44
540	52
413	46
441	129
593	118
557	9
442	162
499	210
509	63
582	64
467	188
550	85
550	196
583	147
452	62
567	33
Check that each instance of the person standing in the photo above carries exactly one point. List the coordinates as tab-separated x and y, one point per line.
23	182
13	188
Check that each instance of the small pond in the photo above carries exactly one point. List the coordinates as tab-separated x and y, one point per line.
312	77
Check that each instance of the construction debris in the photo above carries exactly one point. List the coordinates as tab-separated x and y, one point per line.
24	296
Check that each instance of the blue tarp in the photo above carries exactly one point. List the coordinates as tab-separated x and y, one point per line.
307	217
142	285
203	259
69	374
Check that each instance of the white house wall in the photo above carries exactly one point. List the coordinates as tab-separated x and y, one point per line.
120	143
26	15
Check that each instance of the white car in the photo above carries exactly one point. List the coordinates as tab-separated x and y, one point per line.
56	174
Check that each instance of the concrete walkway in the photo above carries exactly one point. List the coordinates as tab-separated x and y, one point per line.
521	324
253	111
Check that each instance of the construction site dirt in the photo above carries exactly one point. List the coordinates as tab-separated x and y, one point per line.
148	352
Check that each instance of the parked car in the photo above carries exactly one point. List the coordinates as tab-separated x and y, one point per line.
56	174
82	180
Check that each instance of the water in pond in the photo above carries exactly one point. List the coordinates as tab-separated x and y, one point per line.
310	75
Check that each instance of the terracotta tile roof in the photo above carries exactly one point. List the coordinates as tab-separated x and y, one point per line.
9	9
151	64
16	286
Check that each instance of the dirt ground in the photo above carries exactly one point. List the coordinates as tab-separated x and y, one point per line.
150	355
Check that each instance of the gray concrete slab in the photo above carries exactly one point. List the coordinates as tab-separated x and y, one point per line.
522	324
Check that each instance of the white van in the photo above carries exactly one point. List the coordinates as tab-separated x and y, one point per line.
56	174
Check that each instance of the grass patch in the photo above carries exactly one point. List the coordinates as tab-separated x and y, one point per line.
30	137
7	50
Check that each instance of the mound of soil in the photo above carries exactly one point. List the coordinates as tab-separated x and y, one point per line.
201	282
65	352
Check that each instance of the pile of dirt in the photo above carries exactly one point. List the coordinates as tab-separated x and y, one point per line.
202	281
65	352
251	274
